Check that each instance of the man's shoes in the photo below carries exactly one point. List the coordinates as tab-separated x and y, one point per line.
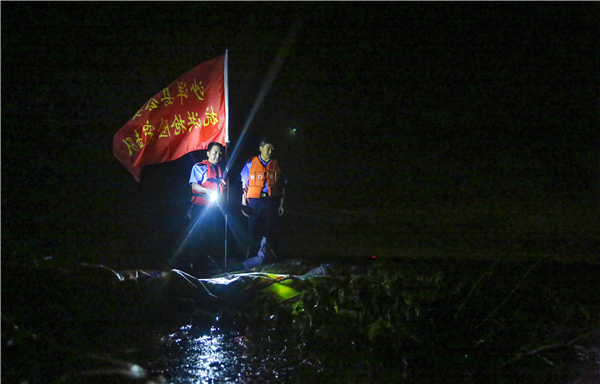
254	262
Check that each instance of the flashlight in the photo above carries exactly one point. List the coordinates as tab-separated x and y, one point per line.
214	196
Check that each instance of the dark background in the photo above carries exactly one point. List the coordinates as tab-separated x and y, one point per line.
449	129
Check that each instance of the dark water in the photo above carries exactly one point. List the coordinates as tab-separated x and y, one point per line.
218	357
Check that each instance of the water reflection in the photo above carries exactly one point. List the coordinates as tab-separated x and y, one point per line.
195	358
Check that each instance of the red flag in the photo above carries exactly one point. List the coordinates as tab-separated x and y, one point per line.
184	117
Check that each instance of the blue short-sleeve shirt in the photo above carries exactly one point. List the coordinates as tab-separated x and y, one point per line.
199	174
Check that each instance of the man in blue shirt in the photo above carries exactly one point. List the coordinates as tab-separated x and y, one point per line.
263	193
207	227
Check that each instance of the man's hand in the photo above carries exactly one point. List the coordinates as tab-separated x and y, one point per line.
215	197
245	211
280	210
244	204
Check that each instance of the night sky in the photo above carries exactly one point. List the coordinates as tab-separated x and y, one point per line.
397	107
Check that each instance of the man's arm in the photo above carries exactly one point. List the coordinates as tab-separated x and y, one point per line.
200	189
197	177
244	178
280	211
285	183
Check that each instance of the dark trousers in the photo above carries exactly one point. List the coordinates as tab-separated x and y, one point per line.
264	221
205	243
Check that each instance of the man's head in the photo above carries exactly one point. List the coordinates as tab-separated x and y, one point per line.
266	149
214	153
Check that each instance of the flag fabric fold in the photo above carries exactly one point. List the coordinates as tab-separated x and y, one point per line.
185	116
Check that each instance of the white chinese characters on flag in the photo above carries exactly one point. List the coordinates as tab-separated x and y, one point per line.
184	117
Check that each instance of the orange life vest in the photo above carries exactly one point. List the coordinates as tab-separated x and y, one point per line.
259	175
212	182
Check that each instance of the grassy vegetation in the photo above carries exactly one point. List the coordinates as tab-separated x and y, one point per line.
444	321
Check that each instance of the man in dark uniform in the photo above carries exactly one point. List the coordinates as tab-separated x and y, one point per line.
207	226
263	192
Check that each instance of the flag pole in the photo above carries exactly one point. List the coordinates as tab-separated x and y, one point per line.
226	200
226	86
